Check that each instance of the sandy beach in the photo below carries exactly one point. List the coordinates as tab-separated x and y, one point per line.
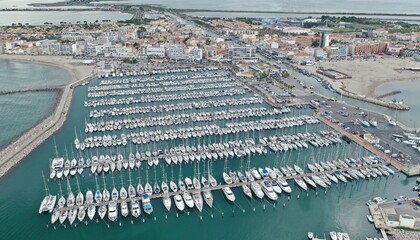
75	66
369	74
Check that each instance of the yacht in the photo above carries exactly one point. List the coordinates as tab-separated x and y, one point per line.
147	205
333	235
55	216
276	187
188	199
173	186
189	183
268	190
212	181
284	185
256	188
63	216
228	194
135	208
179	203
124	208
112	211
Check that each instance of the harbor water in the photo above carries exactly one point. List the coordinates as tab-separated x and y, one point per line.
21	111
339	208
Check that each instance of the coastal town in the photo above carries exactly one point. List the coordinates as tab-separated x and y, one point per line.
268	108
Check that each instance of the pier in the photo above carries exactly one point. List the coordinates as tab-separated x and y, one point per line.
233	185
30	140
364	144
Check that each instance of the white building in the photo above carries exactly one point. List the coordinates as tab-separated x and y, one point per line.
155	51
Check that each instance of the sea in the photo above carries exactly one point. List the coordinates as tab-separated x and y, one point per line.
339	208
292	6
21	111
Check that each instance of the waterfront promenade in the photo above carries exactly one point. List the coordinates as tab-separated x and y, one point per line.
30	140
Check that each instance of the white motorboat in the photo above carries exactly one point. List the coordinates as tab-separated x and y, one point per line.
228	194
124	208
256	188
147	205
285	186
112	211
179	203
188	199
135	208
268	190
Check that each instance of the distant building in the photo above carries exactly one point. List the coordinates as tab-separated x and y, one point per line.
155	51
394	50
343	51
364	49
324	34
243	54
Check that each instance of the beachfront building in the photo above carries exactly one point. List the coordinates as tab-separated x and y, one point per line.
242	54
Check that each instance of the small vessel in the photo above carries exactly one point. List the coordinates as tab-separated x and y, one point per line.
112	211
72	215
268	190
212	181
173	186
188	199
333	235
228	194
135	208
102	211
179	203
63	216
370	218
208	198
256	188
124	208
227	178
247	191
55	216
147	205
167	202
81	214
310	235
198	200
91	211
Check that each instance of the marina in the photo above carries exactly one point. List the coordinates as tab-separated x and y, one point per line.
151	147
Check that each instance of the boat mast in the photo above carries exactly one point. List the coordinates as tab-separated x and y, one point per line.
47	192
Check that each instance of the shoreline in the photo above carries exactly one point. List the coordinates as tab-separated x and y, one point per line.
12	153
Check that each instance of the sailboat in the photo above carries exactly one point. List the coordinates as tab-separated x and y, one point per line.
131	189
123	191
114	192
140	189
208	197
79	197
105	192
70	197
49	200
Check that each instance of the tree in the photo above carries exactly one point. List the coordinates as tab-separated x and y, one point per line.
315	43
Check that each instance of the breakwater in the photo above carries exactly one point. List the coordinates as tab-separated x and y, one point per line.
20	148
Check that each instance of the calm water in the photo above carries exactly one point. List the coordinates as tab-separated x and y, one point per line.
408	88
39	18
340	208
22	110
409	94
373	6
